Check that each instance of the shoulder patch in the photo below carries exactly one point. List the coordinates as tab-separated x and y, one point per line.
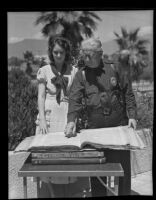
113	81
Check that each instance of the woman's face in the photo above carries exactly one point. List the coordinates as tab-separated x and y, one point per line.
58	54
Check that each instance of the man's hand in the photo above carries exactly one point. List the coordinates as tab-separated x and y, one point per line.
132	123
70	130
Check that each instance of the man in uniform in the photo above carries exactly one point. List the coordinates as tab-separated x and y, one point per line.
109	102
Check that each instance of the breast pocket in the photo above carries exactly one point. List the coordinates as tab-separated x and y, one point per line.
105	98
93	98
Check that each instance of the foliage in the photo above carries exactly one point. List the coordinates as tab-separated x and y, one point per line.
29	59
133	50
22	107
14	61
29	69
143	73
28	56
144	109
74	25
148	71
147	74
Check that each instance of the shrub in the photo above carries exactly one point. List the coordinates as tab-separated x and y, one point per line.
145	110
14	61
22	107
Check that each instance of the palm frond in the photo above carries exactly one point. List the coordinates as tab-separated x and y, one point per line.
66	25
75	24
68	16
46	18
133	35
91	14
76	33
88	32
142	42
86	21
122	43
72	32
143	51
124	32
116	34
49	27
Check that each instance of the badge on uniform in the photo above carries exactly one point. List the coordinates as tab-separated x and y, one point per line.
107	111
113	81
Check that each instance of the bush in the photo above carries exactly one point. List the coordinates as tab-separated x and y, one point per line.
14	61
145	110
147	74
22	107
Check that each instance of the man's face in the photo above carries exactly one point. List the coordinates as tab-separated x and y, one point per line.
91	58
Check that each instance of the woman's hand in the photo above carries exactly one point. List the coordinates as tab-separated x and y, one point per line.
41	107
70	130
43	127
132	123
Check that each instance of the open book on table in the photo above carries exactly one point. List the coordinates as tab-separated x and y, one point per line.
120	137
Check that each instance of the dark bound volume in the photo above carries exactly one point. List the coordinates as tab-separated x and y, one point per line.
74	154
68	161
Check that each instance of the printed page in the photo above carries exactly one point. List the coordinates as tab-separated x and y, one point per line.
133	139
24	145
120	137
103	136
56	139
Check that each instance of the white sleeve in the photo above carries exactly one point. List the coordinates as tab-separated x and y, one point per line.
41	77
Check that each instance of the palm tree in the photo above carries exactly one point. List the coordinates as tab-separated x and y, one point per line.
74	25
132	50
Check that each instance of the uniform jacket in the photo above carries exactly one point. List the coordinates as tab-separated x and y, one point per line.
105	90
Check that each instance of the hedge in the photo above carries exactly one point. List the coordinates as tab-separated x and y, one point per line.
22	107
145	104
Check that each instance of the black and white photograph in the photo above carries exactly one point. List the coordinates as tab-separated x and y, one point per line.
80	103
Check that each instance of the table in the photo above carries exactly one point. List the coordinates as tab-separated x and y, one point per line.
84	170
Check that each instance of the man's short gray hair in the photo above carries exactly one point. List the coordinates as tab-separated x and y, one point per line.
92	44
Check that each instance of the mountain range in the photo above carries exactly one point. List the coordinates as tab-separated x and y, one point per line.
39	47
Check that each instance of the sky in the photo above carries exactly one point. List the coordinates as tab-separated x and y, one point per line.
21	24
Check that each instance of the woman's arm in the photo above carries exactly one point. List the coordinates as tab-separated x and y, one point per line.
41	108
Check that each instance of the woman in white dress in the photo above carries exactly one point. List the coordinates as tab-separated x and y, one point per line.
54	81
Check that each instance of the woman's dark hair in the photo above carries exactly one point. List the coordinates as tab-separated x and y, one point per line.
64	43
